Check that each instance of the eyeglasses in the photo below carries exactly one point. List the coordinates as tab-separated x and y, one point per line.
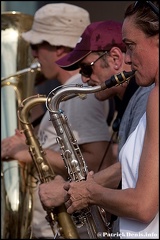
86	69
152	6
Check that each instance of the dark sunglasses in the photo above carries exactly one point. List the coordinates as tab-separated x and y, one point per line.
86	69
34	47
152	6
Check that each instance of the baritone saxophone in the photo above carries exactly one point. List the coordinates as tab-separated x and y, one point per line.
60	221
92	217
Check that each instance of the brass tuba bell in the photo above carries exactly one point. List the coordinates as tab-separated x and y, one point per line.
17	83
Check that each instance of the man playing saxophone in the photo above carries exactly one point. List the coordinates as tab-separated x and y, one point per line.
95	73
87	117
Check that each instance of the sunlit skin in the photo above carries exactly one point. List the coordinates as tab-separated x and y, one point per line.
15	146
47	55
133	203
138	48
115	61
101	72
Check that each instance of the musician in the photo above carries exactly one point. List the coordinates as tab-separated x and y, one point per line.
137	203
109	64
55	31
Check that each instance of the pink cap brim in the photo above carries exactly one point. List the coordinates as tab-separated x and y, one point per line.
71	60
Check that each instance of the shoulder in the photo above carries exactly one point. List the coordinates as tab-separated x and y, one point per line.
143	92
153	99
140	97
152	112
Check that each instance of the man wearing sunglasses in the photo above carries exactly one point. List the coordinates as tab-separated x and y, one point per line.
99	54
55	31
137	204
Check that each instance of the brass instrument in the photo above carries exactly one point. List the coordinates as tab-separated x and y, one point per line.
91	217
17	82
60	221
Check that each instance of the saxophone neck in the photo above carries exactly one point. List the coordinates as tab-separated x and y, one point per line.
67	92
27	104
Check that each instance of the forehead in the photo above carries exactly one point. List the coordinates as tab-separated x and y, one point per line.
129	30
126	26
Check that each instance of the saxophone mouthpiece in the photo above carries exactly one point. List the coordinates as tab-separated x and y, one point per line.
35	66
118	79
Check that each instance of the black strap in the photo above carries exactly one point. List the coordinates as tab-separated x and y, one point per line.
111	111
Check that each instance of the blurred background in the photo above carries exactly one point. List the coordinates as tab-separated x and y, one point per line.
99	10
13	50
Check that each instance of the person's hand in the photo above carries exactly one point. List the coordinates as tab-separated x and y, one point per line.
52	193
15	148
78	193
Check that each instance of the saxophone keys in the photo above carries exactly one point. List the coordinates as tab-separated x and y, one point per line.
45	167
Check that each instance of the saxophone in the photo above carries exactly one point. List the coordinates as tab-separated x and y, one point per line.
60	221
92	217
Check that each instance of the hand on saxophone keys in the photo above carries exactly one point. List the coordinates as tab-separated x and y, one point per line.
52	194
78	195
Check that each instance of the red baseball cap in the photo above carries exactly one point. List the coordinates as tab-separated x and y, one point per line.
98	36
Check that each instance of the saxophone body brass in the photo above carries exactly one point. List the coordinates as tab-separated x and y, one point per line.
92	217
60	221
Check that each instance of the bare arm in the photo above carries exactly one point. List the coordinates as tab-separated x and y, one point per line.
109	177
132	202
94	152
56	161
16	148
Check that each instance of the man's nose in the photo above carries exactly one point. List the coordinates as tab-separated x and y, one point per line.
85	79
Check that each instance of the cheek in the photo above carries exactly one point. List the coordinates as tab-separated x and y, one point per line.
44	54
144	61
142	53
97	77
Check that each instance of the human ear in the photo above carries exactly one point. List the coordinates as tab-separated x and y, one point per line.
117	57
